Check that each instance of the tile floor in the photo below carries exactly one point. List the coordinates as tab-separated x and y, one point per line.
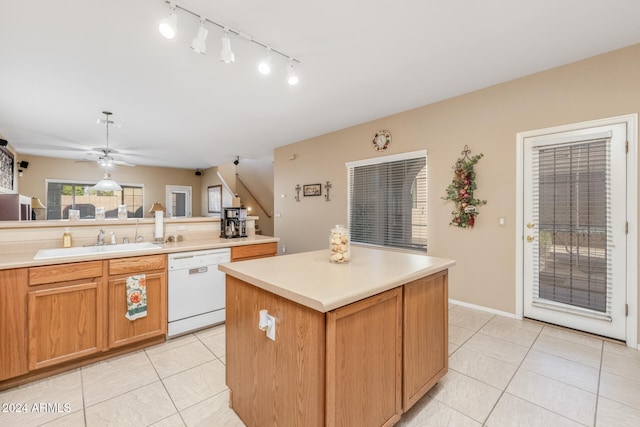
502	372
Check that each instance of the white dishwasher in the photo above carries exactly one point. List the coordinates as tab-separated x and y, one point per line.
196	290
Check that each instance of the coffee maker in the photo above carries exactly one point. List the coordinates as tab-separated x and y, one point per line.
233	223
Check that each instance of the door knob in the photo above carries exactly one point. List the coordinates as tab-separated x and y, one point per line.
530	225
530	238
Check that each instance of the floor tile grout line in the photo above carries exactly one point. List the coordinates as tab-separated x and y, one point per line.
595	411
84	407
511	379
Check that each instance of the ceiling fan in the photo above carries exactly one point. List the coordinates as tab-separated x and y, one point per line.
104	155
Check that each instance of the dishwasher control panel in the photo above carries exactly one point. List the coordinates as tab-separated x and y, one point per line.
198	259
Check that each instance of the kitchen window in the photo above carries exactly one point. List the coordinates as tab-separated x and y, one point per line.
387	201
65	195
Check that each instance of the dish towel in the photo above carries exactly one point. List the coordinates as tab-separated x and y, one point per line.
136	297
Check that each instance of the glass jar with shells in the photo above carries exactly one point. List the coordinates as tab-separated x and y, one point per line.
339	245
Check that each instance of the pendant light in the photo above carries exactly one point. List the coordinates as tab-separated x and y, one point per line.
106	183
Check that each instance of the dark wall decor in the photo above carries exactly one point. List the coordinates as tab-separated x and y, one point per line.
460	191
312	190
6	170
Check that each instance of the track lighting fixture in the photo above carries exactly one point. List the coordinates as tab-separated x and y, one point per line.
237	161
226	54
292	77
199	43
265	65
169	26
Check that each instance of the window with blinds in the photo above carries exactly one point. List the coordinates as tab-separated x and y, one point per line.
387	201
571	193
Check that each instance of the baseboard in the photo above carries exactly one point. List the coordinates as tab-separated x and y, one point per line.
482	308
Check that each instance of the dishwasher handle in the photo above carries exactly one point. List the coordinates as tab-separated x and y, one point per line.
199	270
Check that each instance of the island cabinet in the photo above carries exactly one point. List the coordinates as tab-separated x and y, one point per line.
123	331
66	312
338	358
364	362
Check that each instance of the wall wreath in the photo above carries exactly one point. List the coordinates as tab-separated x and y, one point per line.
460	191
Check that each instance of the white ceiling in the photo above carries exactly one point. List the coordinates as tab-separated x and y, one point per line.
63	62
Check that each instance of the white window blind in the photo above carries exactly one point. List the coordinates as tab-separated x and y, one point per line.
572	195
387	201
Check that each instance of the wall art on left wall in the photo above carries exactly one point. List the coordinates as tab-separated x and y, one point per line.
6	170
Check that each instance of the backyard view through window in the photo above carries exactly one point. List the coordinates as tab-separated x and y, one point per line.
63	196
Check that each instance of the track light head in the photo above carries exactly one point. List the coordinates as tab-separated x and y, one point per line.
169	26
236	161
226	54
199	43
292	77
3	142
265	65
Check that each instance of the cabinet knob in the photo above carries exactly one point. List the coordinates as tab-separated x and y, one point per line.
530	238
530	225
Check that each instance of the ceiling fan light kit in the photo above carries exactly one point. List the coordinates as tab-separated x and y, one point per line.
168	27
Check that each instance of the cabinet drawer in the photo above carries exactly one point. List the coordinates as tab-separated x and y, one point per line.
260	250
64	272
136	264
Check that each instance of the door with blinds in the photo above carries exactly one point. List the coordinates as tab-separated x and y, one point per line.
574	235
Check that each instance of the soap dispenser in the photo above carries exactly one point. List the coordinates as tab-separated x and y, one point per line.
66	238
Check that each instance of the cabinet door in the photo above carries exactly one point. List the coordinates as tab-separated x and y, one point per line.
260	250
65	322
123	331
364	362
425	346
13	323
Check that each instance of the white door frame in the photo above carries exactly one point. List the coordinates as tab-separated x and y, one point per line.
631	121
179	189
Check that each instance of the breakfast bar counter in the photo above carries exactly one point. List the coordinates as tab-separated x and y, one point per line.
351	344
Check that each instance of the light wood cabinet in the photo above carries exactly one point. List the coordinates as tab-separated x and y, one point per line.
260	250
66	318
425	342
270	383
13	323
123	331
364	362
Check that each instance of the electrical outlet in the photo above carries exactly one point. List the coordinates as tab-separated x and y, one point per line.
284	249
271	329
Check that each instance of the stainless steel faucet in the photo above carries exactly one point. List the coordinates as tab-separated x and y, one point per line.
137	238
101	238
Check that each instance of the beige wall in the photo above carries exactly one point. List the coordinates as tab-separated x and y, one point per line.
487	120
154	179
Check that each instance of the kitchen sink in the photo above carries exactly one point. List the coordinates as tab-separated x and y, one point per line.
94	250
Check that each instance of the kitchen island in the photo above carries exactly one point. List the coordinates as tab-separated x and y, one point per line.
355	344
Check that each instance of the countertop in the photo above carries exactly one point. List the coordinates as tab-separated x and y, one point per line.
24	258
311	280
